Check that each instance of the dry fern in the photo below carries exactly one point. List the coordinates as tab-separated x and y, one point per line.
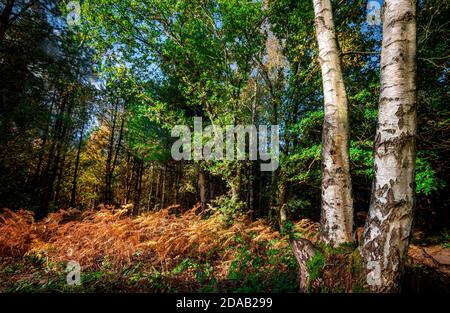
91	237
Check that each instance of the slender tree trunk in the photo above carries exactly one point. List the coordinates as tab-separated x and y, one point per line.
110	161
251	191
260	192
235	184
128	179
163	188
108	175
151	189
253	163
282	189
177	181
283	184
75	172
158	180
119	143
35	188
132	179
202	188
61	168
274	174
336	225
388	226
138	187
45	177
51	169
211	188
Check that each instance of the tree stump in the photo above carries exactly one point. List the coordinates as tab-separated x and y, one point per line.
303	250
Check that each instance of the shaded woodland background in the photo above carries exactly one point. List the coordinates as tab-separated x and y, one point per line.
86	111
66	143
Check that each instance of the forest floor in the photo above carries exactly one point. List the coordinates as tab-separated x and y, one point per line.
171	251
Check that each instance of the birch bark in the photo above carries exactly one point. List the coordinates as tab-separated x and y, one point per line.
388	225
336	225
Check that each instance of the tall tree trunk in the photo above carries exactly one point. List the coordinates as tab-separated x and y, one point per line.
251	191
177	182
260	179
61	167
50	172
61	154
211	188
336	225
388	225
119	143
138	187
128	178
150	193
274	174
282	205
35	188
251	181
202	188
235	183
75	172
158	180
163	188
283	184
109	159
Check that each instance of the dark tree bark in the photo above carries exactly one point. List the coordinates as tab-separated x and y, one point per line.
75	172
112	157
260	193
51	169
107	198
36	180
178	169
119	144
202	188
163	188
138	186
61	169
150	193
158	180
59	166
128	178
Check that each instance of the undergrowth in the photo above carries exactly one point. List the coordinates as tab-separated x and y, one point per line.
156	252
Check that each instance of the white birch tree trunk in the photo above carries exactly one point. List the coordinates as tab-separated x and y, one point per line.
388	225
336	226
